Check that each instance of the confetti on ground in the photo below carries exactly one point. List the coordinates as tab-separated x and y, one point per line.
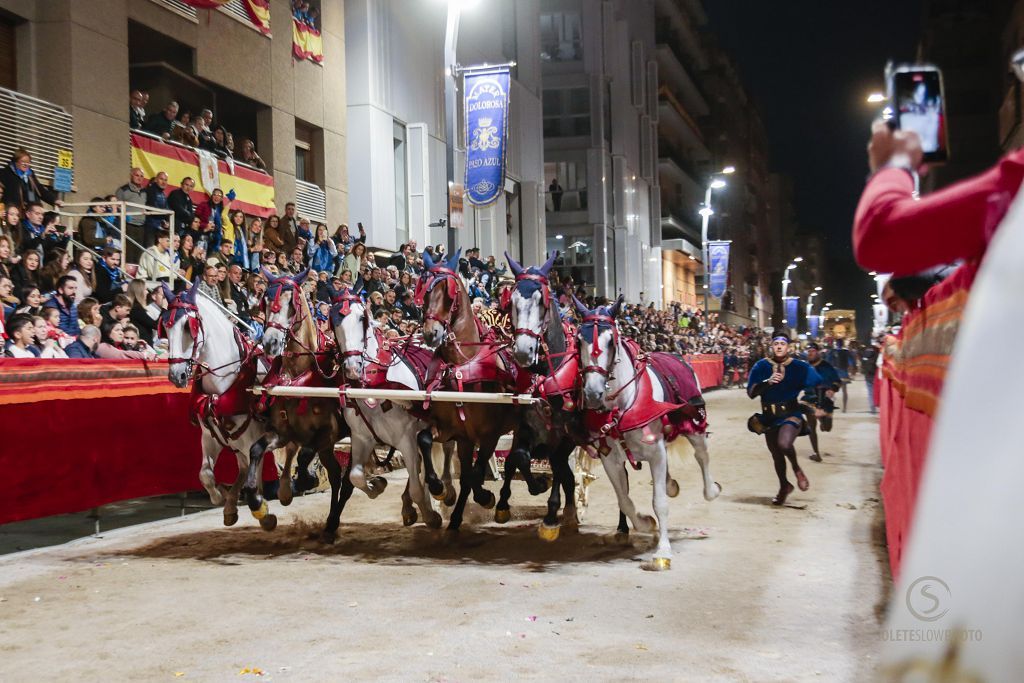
641	646
179	674
531	618
251	671
36	599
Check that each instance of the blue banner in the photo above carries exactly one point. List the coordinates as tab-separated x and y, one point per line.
718	267
812	326
486	112
791	308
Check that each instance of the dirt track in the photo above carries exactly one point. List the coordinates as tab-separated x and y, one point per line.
755	593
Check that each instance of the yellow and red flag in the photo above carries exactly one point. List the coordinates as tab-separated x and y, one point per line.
258	10
306	42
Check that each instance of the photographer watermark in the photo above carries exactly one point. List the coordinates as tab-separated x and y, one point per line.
928	599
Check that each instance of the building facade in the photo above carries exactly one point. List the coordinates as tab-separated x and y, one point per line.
85	57
600	144
396	115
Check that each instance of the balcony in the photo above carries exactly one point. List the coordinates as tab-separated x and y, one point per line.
679	79
669	169
676	225
675	119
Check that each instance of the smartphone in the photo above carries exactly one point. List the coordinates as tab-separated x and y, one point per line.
918	103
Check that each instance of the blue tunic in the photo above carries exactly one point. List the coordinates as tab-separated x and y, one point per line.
829	380
798	375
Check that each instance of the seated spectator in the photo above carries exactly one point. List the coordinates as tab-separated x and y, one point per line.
140	314
163	123
114	348
64	301
248	155
22	334
136	110
88	313
184	132
19	186
57	263
289	228
296	264
10	225
376	300
47	340
110	279
159	261
26	273
51	316
117	311
84	273
132	341
8	302
255	287
224	256
86	344
210	285
237	292
31	300
180	202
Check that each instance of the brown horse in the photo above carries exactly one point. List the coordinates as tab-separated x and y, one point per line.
305	361
464	362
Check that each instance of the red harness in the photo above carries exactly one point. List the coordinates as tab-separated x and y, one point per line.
215	410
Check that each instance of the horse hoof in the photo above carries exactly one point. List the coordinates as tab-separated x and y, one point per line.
328	537
672	489
217	497
269	523
658	564
408	517
502	516
433	520
486	500
714	493
648	524
230	518
450	496
539	486
548	533
261	511
378	484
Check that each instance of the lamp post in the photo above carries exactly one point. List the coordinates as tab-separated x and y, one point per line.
786	282
706	212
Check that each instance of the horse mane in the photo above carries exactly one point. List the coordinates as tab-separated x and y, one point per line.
464	328
305	340
554	335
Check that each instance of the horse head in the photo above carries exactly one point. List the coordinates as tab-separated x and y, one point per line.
531	308
278	306
180	323
598	344
352	327
441	303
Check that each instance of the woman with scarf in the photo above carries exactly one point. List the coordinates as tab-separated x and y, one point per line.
100	228
19	185
240	253
216	210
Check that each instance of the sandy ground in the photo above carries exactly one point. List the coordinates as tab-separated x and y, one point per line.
755	593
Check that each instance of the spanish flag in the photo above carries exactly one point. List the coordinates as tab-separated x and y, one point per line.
306	42
258	11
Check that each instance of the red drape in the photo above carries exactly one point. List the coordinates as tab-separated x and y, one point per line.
709	368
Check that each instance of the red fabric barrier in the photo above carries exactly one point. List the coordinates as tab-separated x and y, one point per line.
710	369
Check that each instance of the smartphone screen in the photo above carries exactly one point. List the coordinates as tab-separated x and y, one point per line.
918	100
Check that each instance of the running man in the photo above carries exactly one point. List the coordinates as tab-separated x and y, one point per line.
778	381
817	401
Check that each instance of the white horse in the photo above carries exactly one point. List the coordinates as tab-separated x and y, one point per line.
372	421
610	382
202	340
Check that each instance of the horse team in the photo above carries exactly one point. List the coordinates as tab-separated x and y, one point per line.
596	390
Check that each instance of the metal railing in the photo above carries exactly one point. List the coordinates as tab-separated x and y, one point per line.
42	128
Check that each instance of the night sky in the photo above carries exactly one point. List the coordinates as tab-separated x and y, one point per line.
809	66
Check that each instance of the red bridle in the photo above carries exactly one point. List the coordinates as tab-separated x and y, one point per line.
596	319
545	294
451	280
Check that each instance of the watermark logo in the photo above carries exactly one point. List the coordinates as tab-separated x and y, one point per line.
928	598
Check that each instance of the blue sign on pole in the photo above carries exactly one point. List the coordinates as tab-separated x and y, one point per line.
62	179
791	311
718	267
486	110
812	326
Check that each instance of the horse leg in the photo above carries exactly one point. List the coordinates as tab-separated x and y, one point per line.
362	452
284	491
304	479
502	511
535	485
414	489
466	481
700	451
549	529
614	467
211	451
658	461
449	448
563	455
482	496
425	445
253	479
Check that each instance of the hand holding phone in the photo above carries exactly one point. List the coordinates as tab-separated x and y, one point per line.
918	104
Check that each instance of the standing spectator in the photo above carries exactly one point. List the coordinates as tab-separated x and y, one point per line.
156	197
249	155
139	314
240	241
64	301
224	256
272	234
110	279
84	273
217	211
136	110
869	368
220	142
346	241
255	243
163	123
134	192
180	202
97	229
85	345
355	261
322	251
556	194
19	186
289	228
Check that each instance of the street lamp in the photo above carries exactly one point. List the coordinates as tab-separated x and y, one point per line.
809	308
876	98
705	213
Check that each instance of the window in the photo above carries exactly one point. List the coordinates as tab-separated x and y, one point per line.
571	193
561	37
401	186
566	112
303	163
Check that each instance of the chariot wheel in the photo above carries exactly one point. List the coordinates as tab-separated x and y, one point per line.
583	469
